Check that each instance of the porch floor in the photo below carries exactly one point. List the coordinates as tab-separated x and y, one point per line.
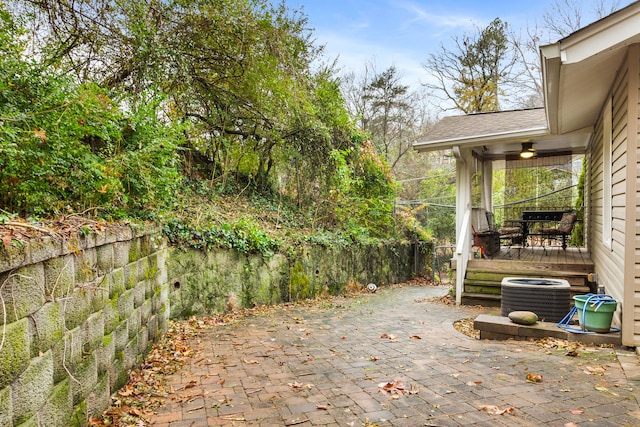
550	255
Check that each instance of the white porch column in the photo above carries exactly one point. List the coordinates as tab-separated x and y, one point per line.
487	185
464	168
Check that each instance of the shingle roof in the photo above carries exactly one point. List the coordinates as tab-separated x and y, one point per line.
480	124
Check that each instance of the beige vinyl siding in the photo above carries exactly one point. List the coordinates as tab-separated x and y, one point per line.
610	262
631	305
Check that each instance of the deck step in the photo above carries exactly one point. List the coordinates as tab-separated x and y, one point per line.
476	298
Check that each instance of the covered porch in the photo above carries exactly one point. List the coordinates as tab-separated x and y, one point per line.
481	144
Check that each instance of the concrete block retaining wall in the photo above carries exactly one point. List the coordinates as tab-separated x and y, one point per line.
78	313
215	282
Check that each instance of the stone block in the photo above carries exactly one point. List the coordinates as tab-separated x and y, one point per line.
143	269
139	293
44	248
59	277
66	353
145	312
6	408
152	268
121	253
163	317
13	256
121	336
130	354
30	390
58	407
146	245
134	250
23	291
162	276
111	316
133	322
105	258
152	328
87	240
15	353
110	235
99	398
124	233
106	354
77	307
93	332
46	327
164	293
130	274
117	282
86	265
118	376
86	374
126	304
99	293
143	340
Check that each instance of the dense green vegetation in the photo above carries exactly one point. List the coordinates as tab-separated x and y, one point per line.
205	116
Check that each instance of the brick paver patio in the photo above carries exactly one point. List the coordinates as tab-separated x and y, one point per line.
323	366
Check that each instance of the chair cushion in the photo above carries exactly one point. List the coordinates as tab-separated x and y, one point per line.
510	230
566	223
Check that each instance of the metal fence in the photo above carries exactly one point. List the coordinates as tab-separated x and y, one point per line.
441	263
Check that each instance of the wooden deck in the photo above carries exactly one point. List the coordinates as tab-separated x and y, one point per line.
483	278
552	255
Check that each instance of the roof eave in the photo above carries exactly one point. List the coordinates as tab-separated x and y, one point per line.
479	140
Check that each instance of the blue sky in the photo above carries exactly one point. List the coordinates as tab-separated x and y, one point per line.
404	32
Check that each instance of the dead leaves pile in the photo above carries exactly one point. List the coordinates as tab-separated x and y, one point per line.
465	326
134	404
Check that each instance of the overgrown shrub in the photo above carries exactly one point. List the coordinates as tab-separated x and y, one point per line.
66	147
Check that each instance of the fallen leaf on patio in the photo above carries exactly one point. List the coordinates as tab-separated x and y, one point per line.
534	378
395	387
413	389
344	337
474	383
415	337
598	370
494	410
295	385
324	407
374	358
570	425
250	362
577	411
572	353
190	384
222	381
605	390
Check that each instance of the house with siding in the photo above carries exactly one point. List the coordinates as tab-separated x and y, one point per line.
591	82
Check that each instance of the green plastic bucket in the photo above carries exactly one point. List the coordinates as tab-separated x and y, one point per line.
595	312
